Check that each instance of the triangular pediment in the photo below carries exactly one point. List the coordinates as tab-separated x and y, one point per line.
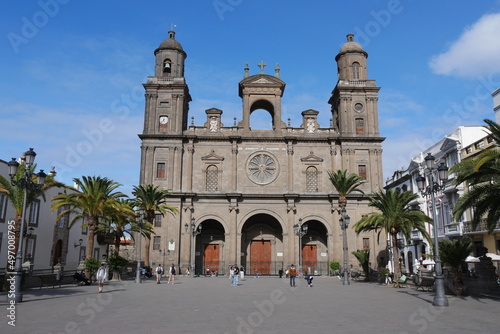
447	144
311	158
262	79
212	157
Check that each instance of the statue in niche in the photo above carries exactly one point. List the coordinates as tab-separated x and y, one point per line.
213	124
310	125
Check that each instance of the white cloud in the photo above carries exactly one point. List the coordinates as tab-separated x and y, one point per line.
475	53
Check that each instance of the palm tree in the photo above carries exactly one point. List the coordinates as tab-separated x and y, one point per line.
482	174
395	216
93	200
345	184
453	254
119	223
152	199
15	195
363	257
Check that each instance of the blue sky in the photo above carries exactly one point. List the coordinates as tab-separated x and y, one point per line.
72	71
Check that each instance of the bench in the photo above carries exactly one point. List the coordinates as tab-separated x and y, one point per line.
47	280
425	283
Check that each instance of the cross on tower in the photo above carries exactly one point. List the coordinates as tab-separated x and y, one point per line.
172	26
262	65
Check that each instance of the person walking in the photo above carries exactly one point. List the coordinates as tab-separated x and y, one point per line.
102	275
171	274
236	275
242	273
292	273
231	275
280	272
159	273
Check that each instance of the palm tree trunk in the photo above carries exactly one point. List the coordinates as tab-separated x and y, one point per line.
146	251
395	256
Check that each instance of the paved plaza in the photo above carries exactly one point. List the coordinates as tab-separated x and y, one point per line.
258	306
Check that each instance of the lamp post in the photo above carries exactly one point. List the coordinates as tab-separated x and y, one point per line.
140	217
300	230
194	232
433	188
344	223
25	182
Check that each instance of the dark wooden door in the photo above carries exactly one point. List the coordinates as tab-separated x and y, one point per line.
260	257
309	258
212	257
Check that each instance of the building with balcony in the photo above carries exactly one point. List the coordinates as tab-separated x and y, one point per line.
450	150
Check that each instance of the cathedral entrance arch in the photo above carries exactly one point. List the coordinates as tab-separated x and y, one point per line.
210	248
314	248
262	245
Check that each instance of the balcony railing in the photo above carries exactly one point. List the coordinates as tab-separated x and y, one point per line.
480	228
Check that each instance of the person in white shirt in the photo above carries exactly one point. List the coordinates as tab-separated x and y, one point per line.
159	272
102	275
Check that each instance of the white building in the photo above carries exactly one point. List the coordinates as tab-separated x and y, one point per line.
496	104
449	151
46	242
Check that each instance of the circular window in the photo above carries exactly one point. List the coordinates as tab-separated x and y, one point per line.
358	107
262	168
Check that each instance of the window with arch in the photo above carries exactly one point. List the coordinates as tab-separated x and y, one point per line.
356	69
212	178
311	179
167	67
360	126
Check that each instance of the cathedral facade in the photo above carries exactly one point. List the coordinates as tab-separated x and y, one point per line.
242	193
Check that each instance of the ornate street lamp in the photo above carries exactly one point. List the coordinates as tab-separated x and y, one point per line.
140	218
194	232
344	223
25	182
300	230
432	189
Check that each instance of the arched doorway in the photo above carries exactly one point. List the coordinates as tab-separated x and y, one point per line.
314	251
210	249
262	247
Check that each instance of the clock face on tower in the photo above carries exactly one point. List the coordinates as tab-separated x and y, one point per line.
163	120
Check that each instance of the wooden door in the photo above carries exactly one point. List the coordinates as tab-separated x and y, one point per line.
309	258
260	257
211	257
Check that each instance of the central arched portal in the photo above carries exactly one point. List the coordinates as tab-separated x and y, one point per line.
262	245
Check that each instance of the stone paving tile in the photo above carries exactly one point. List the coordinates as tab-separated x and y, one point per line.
257	306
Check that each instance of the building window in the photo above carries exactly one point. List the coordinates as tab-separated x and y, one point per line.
97	252
157	220
311	179
366	243
64	220
160	170
356	71
468	150
83	252
3	207
212	178
362	171
360	126
33	213
156	243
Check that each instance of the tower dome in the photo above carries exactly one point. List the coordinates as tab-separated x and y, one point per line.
351	47
170	43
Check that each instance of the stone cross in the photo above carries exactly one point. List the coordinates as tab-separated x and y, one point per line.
262	65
